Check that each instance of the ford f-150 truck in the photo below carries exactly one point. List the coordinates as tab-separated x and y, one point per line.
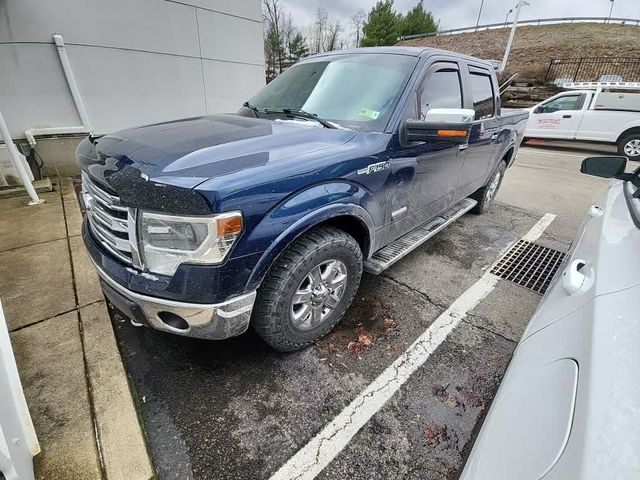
345	162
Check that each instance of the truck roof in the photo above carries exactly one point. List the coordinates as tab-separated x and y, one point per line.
401	50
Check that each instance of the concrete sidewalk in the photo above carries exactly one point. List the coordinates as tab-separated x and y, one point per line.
66	352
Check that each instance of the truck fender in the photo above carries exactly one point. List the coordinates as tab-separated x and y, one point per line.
509	157
627	128
305	210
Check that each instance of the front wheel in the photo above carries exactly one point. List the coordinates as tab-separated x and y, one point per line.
308	290
485	195
629	146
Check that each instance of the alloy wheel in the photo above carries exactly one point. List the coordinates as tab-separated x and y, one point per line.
632	147
318	294
493	187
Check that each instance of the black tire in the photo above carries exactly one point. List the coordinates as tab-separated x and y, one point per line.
484	196
632	137
273	317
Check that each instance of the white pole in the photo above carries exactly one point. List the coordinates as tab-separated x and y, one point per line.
610	11
513	34
479	13
17	163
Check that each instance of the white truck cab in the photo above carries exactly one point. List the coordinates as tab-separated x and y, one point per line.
603	112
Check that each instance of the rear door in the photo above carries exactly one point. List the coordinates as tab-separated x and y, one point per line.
559	117
479	159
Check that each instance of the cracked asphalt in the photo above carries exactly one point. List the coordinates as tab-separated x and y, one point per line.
236	409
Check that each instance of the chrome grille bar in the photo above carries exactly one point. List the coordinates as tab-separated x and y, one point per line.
111	223
101	194
114	223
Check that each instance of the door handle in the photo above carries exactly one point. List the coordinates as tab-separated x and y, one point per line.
566	116
573	278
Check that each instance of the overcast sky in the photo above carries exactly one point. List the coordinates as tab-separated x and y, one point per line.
464	13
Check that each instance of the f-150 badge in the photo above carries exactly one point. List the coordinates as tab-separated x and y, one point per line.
374	167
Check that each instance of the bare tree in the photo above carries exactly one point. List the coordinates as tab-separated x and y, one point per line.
320	27
284	43
288	29
332	38
357	21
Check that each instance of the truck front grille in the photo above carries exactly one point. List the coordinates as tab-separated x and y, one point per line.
109	220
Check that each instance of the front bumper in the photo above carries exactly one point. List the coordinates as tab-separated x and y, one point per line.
210	321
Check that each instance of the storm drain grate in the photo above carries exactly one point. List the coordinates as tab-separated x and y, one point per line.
529	265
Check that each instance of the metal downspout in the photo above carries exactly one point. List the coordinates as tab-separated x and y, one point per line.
75	94
71	80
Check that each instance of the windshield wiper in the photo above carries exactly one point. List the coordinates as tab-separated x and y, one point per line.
253	108
293	112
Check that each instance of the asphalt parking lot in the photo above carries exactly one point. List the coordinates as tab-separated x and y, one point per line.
236	409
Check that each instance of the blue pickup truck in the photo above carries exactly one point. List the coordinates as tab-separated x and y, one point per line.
344	163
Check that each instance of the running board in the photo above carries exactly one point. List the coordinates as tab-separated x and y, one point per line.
387	256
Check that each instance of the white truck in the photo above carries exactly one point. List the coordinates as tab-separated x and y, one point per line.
601	112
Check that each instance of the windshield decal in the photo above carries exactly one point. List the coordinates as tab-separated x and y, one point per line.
365	112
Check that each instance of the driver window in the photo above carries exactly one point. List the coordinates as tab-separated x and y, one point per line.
441	90
567	102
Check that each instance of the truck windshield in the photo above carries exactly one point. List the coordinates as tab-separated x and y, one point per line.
356	91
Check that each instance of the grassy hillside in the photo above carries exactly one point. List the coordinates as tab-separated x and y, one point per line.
535	46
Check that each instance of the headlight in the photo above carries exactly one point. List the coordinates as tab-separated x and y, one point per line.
169	240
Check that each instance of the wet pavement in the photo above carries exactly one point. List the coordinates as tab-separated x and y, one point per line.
237	409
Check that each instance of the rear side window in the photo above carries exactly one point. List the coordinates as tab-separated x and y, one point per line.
441	90
482	91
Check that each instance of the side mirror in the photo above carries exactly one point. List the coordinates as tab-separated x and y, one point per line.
606	167
451	125
538	109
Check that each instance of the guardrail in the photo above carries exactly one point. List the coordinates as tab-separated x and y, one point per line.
537	21
592	69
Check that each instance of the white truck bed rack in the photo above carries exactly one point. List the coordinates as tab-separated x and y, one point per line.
601	85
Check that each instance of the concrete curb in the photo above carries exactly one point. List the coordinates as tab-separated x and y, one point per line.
121	442
64	345
123	451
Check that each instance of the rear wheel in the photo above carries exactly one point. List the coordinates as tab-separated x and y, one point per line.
308	289
487	194
629	146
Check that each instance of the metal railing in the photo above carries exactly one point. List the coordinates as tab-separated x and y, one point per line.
536	21
592	69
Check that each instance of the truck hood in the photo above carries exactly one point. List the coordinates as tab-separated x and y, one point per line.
185	153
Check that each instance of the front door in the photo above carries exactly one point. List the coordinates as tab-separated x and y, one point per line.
558	117
480	153
425	174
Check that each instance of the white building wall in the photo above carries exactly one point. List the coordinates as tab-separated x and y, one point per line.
135	61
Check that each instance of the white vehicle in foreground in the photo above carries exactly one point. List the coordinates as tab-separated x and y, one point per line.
569	405
602	112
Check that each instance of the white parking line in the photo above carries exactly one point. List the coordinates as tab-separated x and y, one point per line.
311	459
537	230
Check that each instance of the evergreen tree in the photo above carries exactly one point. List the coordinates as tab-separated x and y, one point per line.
418	20
297	48
274	52
382	26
